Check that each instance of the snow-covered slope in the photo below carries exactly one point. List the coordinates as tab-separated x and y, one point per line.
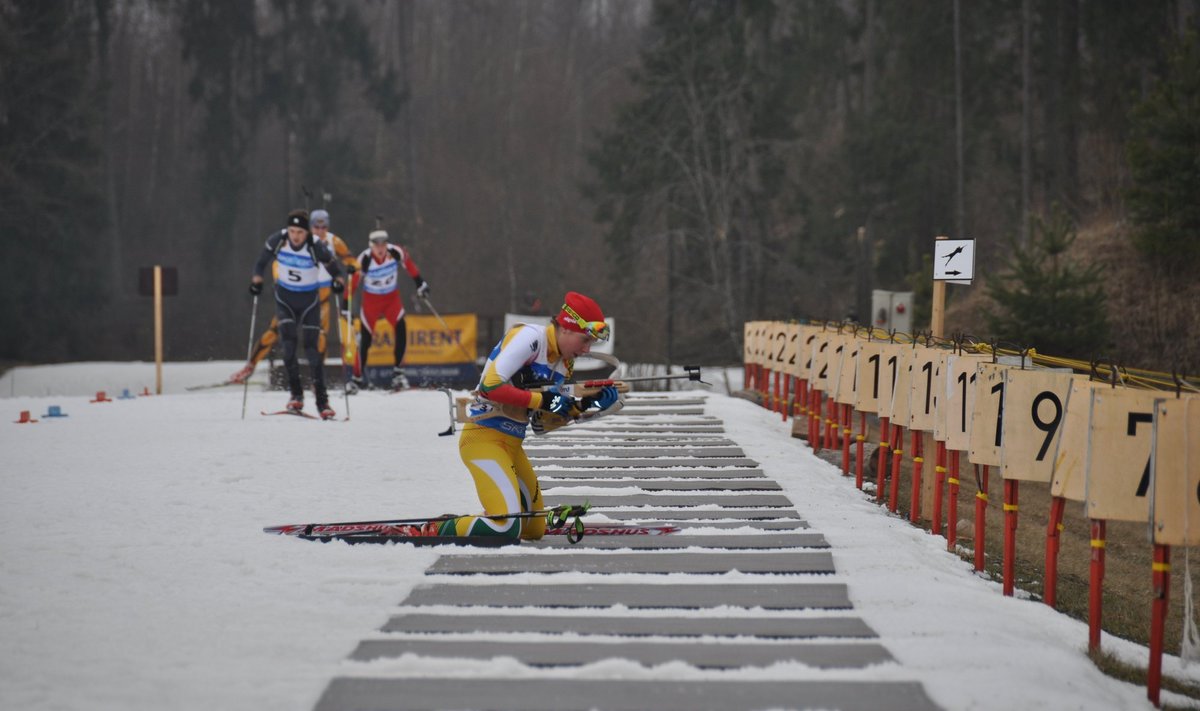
134	573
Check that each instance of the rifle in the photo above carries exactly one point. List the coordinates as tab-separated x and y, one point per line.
546	422
592	387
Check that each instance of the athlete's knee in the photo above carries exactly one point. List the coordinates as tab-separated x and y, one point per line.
312	339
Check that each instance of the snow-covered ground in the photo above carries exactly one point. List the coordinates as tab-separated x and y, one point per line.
134	573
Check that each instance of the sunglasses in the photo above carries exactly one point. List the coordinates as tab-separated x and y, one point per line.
596	329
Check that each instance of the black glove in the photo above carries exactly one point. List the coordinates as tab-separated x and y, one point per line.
350	268
256	288
557	403
337	286
606	398
422	288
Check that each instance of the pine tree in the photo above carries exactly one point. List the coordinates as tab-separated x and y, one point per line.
1164	154
1044	300
696	159
50	177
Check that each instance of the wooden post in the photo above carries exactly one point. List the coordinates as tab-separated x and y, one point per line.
884	450
1054	527
858	457
1096	585
158	330
1158	617
918	441
897	453
952	516
1008	572
847	418
937	319
981	503
939	480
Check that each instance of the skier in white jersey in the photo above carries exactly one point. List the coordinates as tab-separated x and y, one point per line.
297	301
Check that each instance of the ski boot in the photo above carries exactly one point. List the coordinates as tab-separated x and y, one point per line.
399	382
443	525
355	384
323	407
296	404
242	375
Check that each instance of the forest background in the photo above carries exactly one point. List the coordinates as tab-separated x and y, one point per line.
690	164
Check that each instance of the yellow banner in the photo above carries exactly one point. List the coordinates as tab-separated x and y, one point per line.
429	343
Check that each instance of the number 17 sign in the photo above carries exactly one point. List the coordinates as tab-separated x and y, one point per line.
1118	456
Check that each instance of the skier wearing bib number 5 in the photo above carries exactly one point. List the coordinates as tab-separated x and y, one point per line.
491	445
297	301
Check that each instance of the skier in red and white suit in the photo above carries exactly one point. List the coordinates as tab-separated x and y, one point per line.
379	267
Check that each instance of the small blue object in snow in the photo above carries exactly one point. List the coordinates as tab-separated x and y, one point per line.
55	411
126	395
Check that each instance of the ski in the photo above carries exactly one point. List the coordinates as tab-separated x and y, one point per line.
210	386
617	529
477	541
316	530
556	517
297	413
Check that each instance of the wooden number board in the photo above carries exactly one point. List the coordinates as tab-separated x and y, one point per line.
900	392
954	416
1175	463
987	415
848	376
922	403
777	333
760	344
791	354
891	355
1120	436
837	355
1068	476
871	370
1033	415
819	380
747	330
804	354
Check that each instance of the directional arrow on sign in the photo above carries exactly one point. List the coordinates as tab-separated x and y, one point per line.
959	251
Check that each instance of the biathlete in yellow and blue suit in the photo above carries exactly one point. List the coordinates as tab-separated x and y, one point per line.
491	443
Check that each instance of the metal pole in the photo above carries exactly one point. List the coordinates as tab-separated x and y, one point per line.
158	329
249	352
337	306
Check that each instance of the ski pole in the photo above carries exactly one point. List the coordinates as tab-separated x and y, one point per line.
470	358
337	305
249	354
453	413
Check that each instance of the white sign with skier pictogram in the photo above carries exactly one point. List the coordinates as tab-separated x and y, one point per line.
954	260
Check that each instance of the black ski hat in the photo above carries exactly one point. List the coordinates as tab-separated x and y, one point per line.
298	218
